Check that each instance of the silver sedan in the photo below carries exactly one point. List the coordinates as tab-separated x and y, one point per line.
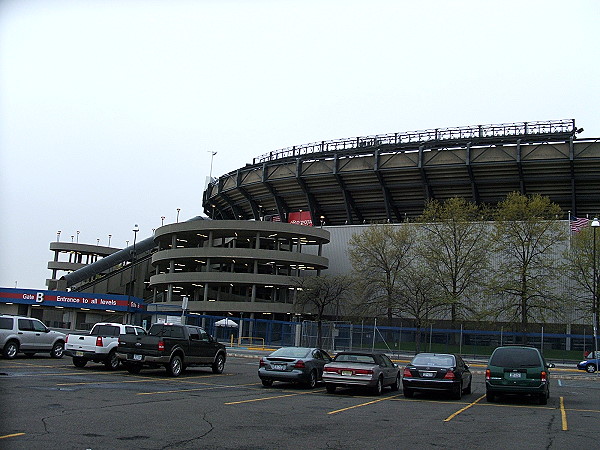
361	369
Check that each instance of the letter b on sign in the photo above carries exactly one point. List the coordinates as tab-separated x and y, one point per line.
40	297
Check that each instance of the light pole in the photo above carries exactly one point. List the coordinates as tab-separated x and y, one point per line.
135	231
58	236
178	209
212	155
595	306
109	236
162	220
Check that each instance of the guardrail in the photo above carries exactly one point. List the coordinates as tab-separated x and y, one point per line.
558	127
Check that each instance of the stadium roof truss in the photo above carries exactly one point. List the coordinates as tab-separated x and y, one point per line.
391	177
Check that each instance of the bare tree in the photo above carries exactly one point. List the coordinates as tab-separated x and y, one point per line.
322	294
525	235
378	256
418	296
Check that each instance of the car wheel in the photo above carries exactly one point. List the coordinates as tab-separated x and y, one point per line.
219	364
457	392
408	393
112	362
590	368
330	388
489	397
58	350
267	383
79	362
312	380
11	349
396	385
175	366
133	368
378	389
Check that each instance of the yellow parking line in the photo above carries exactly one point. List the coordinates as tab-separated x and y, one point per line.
271	398
174	391
563	414
144	379
363	404
452	416
11	435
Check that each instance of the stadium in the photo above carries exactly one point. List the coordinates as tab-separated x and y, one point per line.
390	177
291	212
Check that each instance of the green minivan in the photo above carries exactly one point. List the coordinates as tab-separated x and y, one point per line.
517	370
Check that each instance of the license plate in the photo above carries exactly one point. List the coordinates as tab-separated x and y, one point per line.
428	374
138	357
278	366
514	375
78	353
346	373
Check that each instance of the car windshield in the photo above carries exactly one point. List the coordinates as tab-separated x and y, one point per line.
362	359
291	352
433	360
515	357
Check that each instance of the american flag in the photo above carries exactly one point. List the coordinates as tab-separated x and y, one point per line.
578	223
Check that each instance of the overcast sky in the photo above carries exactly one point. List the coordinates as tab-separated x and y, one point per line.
109	110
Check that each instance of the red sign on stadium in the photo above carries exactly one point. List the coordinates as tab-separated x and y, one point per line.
300	218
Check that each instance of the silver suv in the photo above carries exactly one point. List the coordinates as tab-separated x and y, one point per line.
29	336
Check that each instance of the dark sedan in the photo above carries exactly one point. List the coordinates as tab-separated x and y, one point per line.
437	372
296	364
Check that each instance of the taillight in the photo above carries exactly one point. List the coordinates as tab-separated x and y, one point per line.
299	364
330	370
261	362
544	375
449	375
67	339
406	373
161	346
99	341
488	374
363	372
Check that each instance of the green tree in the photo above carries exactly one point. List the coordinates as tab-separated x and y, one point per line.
580	263
454	247
323	294
525	235
378	256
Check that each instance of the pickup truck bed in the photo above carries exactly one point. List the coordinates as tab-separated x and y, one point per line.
172	346
100	344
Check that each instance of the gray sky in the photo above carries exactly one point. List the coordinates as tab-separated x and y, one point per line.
109	109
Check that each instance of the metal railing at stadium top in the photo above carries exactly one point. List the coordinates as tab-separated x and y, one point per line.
558	128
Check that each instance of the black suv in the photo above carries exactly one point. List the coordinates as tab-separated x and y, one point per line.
517	370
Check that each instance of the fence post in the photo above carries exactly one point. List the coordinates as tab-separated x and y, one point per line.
374	330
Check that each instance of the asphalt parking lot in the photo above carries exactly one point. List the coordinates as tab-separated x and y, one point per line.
47	403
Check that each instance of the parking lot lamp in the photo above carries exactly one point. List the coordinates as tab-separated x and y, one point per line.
135	231
595	305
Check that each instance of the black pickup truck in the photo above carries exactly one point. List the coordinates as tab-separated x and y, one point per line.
173	346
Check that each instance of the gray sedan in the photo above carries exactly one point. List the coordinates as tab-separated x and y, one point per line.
295	364
367	369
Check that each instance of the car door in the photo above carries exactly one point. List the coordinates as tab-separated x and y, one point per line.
28	336
464	371
389	369
320	358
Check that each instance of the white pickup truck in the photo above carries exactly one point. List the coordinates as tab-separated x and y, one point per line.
99	345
